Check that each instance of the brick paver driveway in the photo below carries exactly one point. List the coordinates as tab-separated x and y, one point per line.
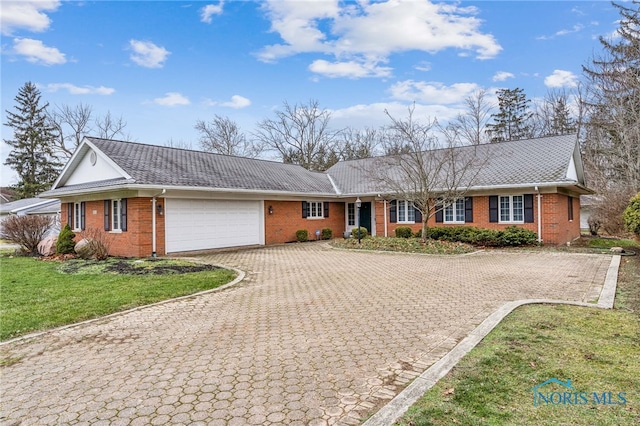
312	336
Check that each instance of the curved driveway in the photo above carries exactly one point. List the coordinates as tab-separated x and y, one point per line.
311	336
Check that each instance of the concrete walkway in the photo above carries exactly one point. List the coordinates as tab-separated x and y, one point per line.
311	336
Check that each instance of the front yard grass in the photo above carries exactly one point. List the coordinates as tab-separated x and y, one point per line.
36	295
596	349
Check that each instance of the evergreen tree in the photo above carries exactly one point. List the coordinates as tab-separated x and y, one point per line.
32	155
513	119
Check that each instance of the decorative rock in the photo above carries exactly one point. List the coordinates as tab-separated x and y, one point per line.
47	247
84	249
616	250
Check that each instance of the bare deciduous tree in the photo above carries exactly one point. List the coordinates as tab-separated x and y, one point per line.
300	134
109	127
434	174
74	123
472	124
553	117
360	143
223	136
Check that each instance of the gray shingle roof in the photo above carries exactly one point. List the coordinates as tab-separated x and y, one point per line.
517	163
532	161
28	205
158	165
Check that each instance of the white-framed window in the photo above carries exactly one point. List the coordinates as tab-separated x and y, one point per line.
315	210
406	212
511	208
77	216
351	214
454	213
116	215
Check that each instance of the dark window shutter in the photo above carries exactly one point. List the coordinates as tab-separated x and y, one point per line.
570	207
325	209
123	216
439	213
70	214
305	210
393	211
493	208
107	218
468	210
82	216
528	208
418	215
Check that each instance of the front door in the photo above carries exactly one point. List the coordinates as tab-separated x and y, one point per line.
365	216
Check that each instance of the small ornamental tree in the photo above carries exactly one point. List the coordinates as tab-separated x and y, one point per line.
65	243
631	215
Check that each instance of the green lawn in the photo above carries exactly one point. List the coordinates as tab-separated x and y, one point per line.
36	295
598	350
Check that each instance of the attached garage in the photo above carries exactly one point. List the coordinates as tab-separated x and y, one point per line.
192	224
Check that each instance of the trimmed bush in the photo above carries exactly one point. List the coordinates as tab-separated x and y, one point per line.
65	243
404	232
515	236
511	236
631	215
302	235
327	233
363	232
417	234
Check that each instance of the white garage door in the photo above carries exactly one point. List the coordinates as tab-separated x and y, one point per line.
208	224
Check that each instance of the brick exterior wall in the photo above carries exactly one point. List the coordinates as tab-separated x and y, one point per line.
556	227
281	226
137	240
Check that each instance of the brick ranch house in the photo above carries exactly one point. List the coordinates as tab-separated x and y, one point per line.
150	199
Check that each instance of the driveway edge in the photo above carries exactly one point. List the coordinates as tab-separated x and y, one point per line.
393	410
240	277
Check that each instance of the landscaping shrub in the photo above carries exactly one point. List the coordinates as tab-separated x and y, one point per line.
65	243
363	232
631	215
511	236
95	245
418	234
302	235
27	231
515	236
327	233
404	232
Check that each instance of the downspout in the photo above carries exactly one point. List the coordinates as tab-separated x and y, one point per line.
539	215
153	223
385	217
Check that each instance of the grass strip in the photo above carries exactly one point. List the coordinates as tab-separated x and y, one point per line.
36	295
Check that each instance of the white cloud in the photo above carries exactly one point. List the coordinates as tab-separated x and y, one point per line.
237	102
148	55
502	76
561	78
77	90
36	52
172	99
209	10
26	14
432	92
349	69
423	66
368	33
576	28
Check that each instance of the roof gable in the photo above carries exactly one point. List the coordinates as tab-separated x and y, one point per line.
89	164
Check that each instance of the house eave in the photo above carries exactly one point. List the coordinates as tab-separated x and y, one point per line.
158	188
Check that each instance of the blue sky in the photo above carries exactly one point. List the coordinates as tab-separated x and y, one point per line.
162	65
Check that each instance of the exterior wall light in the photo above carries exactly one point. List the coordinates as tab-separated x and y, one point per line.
270	209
